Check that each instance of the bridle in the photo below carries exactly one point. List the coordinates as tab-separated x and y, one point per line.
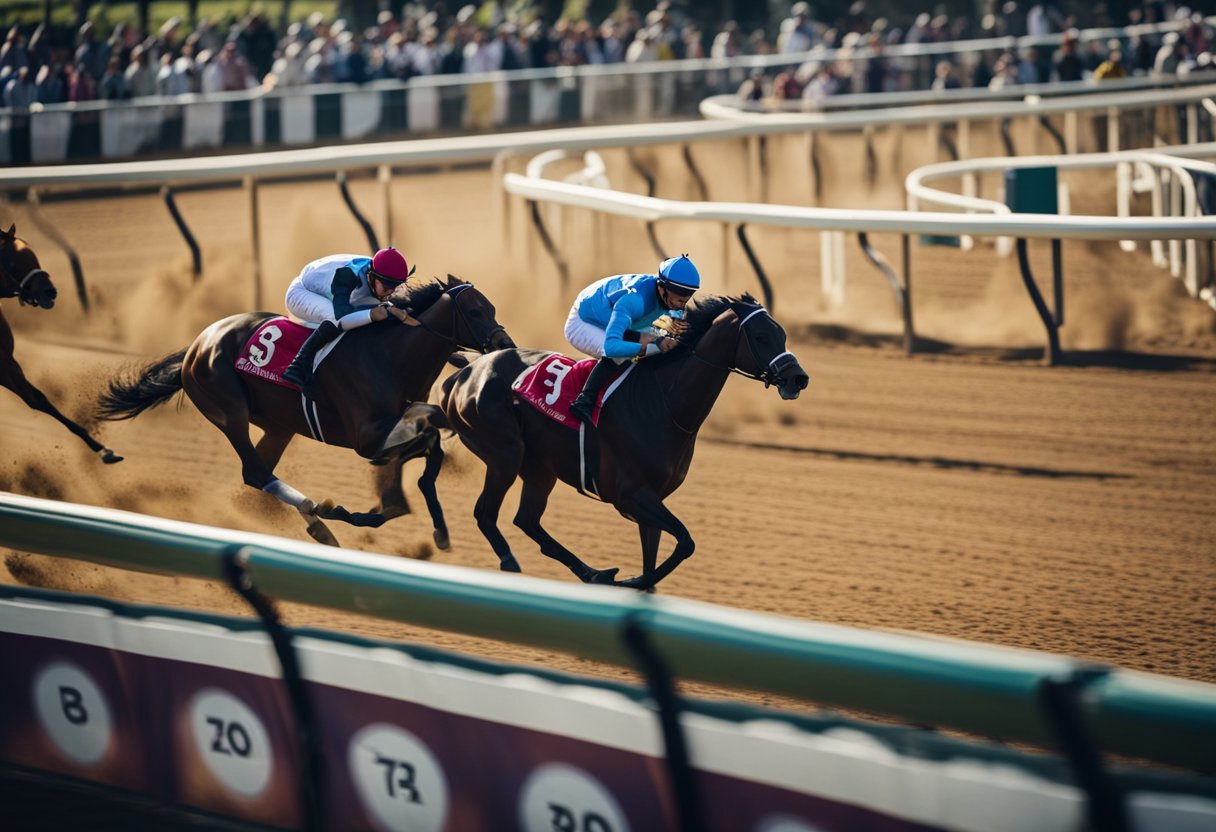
18	288
459	312
771	374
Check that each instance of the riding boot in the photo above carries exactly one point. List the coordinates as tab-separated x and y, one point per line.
584	403
299	372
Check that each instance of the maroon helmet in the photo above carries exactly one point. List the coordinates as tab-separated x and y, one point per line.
389	266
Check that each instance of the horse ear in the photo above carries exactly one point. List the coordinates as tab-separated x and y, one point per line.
11	233
452	279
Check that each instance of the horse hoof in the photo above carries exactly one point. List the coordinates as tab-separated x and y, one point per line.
638	582
511	565
324	507
601	576
320	533
444	542
108	456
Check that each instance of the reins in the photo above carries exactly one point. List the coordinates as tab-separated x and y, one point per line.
457	310
767	375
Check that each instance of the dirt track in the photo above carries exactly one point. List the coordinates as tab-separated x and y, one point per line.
968	492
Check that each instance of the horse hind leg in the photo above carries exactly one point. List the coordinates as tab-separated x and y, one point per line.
532	503
14	379
426	484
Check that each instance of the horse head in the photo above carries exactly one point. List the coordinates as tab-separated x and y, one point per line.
21	275
760	351
476	326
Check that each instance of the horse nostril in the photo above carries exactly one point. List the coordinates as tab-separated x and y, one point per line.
802	381
52	293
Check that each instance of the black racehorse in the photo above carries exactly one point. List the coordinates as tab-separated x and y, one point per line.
22	277
369	395
646	432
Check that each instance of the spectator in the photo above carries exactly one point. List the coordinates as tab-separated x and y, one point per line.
1043	19
141	80
257	42
753	88
52	84
1171	55
14	54
946	78
726	42
290	69
797	33
823	84
235	71
1065	64
82	86
88	52
1027	69
643	49
113	84
20	91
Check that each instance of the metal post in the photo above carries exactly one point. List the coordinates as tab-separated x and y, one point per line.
909	330
384	175
765	287
702	188
650	190
684	785
1059	700
196	256
354	209
1052	356
49	230
563	269
1057	279
901	295
235	565
255	233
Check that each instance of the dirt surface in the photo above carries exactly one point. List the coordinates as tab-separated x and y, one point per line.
966	492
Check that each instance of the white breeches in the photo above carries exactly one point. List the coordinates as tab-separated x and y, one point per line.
583	336
306	305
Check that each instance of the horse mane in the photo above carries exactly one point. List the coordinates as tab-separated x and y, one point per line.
701	316
418	296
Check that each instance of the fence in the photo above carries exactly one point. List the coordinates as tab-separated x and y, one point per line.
215	709
517	99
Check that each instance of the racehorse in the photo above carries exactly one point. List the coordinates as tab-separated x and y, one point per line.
369	395
22	277
646	431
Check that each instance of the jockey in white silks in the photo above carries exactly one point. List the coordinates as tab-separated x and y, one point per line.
610	317
339	293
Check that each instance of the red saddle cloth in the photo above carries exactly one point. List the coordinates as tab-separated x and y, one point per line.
269	350
551	386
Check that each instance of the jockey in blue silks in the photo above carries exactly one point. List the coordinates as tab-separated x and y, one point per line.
611	318
341	292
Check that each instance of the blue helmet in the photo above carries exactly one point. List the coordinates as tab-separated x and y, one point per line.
680	274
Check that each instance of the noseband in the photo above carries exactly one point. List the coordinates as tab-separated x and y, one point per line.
485	346
771	374
20	290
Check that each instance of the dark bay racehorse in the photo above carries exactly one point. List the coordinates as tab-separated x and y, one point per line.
22	277
647	430
369	394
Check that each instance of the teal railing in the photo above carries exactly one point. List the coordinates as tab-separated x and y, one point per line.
980	689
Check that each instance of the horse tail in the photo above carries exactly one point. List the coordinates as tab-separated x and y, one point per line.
131	395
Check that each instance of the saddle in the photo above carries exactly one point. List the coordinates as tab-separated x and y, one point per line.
551	386
270	349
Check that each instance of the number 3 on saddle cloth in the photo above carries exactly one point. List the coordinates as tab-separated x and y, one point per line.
550	387
270	349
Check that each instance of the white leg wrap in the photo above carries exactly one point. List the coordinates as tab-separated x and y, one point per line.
283	491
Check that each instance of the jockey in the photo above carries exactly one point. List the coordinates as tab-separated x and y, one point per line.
611	317
341	292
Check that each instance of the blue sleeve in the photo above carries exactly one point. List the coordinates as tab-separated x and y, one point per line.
623	313
345	281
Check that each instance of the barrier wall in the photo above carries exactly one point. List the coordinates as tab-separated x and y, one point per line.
192	710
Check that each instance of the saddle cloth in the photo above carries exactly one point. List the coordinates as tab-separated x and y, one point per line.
270	349
551	386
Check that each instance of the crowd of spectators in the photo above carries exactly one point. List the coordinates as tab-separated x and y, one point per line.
426	40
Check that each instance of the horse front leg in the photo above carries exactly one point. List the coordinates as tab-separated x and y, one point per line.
426	484
12	377
532	503
653	518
